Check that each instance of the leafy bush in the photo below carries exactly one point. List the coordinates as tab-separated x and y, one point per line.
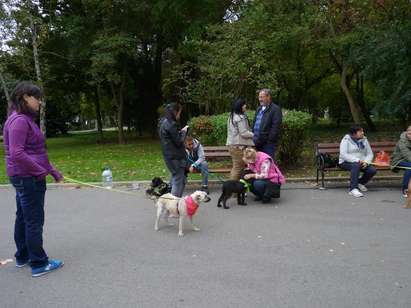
212	130
293	133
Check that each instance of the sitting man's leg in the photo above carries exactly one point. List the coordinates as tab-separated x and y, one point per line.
369	172
204	176
354	168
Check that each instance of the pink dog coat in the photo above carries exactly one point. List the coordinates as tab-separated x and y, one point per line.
191	206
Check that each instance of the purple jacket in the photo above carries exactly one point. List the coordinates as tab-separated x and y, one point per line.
25	150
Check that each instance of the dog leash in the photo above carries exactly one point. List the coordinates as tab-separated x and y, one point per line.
99	187
384	165
110	189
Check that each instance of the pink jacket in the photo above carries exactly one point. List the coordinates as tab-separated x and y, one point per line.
274	173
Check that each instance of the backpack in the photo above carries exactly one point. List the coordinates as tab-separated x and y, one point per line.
327	161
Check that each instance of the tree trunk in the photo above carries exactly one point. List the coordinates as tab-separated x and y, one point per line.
353	106
117	102
121	139
3	84
38	74
98	113
361	103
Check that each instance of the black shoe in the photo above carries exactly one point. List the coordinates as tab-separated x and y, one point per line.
205	189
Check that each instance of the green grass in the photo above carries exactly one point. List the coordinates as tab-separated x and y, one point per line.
81	157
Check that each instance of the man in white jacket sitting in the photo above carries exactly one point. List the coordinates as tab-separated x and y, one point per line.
356	156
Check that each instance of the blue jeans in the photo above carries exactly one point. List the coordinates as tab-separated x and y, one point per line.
355	169
178	177
28	228
407	174
203	168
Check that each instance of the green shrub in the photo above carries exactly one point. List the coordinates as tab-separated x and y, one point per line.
293	133
212	130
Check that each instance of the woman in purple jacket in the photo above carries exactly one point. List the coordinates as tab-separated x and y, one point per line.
27	167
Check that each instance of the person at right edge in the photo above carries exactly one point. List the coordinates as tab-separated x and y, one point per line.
173	148
267	124
401	157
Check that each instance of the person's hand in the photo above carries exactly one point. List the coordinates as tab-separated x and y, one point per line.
191	169
184	129
363	163
60	180
248	176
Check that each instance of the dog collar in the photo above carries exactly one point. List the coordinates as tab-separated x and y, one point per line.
246	185
191	206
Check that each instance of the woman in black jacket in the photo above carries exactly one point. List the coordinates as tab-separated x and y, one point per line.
173	148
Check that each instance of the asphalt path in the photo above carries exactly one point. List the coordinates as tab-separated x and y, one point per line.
311	248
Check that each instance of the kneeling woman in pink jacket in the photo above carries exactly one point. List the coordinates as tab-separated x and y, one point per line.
266	177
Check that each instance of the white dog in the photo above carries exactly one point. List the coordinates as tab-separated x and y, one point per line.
169	204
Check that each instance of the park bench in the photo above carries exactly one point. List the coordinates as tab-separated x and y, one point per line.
333	149
218	153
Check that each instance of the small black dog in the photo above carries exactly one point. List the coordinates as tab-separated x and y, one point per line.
158	188
235	187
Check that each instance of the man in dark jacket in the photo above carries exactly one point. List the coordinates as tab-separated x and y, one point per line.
267	123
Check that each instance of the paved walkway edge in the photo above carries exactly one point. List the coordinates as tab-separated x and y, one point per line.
302	180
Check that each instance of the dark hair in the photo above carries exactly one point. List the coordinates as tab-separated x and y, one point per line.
354	129
189	138
171	110
17	101
237	108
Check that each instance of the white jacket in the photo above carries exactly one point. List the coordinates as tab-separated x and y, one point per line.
239	133
350	152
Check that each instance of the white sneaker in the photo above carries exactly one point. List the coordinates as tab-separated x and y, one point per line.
405	193
356	193
362	187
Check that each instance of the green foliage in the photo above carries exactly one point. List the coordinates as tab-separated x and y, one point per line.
293	134
385	57
206	53
212	130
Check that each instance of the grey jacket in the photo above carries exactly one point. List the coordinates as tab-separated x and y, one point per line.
350	152
402	151
239	133
196	156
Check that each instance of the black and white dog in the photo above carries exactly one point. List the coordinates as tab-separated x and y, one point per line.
158	188
231	187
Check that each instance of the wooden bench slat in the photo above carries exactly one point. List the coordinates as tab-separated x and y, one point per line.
215	148
220	170
217	154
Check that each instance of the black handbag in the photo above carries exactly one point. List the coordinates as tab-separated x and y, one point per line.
274	189
327	160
